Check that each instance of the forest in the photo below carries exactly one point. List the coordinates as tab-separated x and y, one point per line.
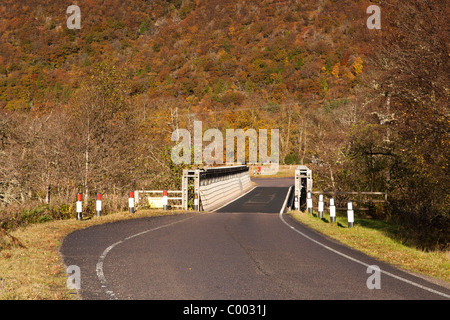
93	109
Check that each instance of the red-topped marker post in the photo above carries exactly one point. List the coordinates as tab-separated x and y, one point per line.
196	201
165	200
79	207
98	204
131	202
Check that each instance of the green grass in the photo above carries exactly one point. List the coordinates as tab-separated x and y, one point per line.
379	239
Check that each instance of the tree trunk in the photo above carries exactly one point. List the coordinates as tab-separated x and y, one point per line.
304	145
86	172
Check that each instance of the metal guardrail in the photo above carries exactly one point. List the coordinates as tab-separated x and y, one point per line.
214	186
303	184
361	194
157	201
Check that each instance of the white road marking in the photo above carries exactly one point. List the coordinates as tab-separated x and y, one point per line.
234	199
103	282
99	267
356	260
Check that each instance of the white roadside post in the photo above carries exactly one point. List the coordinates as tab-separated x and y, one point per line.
165	200
296	204
196	202
79	207
131	202
309	203
350	216
98	204
332	211
320	206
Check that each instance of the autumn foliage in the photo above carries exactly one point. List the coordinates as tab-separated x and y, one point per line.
92	110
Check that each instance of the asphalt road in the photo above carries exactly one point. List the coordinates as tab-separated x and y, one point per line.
245	250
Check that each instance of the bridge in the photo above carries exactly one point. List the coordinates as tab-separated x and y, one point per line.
214	186
209	188
245	248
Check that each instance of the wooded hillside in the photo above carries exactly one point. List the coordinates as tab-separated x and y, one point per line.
93	110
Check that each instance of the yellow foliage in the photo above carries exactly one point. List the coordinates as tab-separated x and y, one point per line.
335	71
221	52
350	76
357	66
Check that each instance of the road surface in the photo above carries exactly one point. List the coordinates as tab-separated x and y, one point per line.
245	250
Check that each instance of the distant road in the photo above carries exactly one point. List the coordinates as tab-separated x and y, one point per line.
245	250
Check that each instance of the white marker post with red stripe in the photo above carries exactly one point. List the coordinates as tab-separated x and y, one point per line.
79	207
131	202
196	201
98	204
165	200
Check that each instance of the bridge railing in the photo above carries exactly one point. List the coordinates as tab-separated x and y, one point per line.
302	185
214	186
154	198
361	199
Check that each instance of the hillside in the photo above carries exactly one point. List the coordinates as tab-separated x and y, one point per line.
93	110
238	64
211	54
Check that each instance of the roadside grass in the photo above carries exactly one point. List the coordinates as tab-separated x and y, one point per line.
378	239
31	267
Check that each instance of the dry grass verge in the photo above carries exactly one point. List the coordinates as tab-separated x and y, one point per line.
378	239
31	267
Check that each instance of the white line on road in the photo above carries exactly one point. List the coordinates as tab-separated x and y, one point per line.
99	267
356	260
234	199
102	279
